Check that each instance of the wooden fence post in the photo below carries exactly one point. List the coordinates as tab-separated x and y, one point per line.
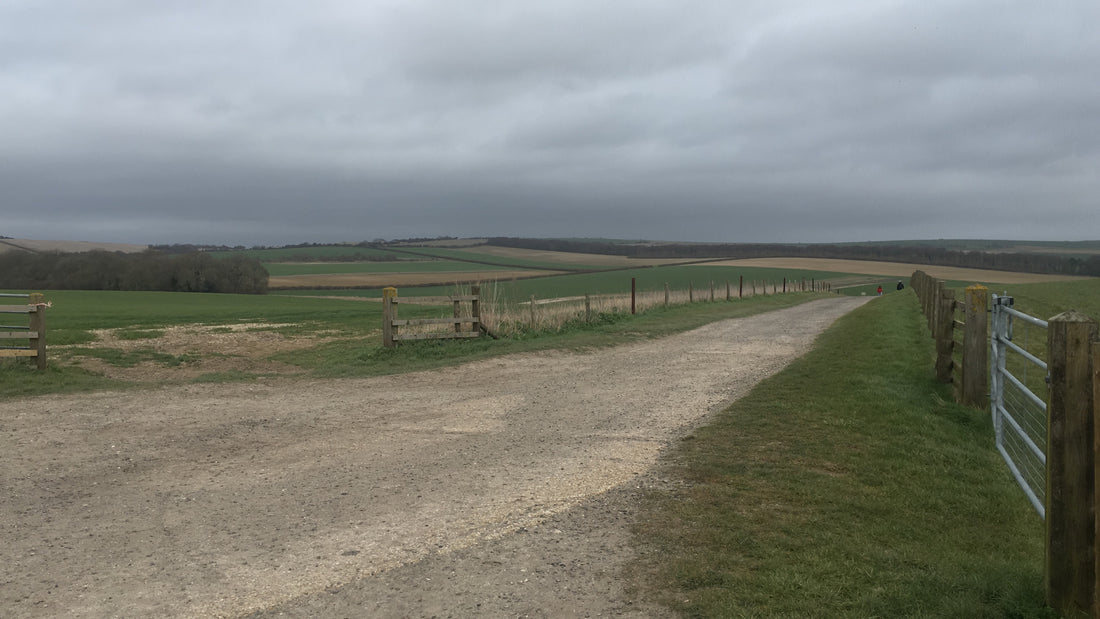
587	307
784	285
633	295
691	292
1096	480
38	326
475	307
666	294
943	331
975	360
728	295
741	287
1070	489
389	314
712	291
532	311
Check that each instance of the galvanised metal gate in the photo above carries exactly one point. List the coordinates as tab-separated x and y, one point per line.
1019	414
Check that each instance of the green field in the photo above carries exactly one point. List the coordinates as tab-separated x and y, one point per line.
404	266
320	252
473	255
1045	300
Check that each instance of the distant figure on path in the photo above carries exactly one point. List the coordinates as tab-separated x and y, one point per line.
900	285
880	291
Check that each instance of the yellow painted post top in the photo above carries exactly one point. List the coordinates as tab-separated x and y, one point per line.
977	295
389	292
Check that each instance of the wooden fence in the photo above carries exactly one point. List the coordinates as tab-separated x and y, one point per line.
391	324
1072	563
34	333
960	329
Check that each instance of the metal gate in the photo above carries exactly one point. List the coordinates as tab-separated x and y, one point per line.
1019	414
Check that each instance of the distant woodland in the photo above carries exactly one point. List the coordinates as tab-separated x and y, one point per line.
998	261
103	270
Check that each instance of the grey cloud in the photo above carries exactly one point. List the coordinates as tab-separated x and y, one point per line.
285	122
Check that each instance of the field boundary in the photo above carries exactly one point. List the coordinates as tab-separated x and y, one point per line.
1070	435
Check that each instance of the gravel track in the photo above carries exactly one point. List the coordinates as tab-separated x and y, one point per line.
502	487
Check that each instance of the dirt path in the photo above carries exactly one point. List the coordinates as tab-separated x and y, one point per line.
499	487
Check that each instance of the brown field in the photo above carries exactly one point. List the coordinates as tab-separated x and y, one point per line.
68	246
897	269
445	243
379	280
562	257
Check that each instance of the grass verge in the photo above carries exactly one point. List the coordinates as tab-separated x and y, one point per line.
847	485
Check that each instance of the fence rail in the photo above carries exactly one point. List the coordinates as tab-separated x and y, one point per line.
33	333
391	325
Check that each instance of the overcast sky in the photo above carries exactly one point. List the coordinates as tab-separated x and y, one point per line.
247	122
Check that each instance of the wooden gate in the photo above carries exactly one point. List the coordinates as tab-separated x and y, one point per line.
34	333
391	325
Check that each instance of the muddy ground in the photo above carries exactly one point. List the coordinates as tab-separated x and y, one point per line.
503	487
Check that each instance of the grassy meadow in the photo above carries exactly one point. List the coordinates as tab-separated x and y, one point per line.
848	485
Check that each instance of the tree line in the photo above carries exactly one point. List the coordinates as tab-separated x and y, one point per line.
999	261
149	270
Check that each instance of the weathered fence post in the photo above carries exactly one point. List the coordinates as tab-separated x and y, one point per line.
389	314
666	294
712	291
728	295
1070	488
633	295
975	358
943	331
475	307
784	285
691	292
1096	480
587	307
38	327
532	311
741	287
